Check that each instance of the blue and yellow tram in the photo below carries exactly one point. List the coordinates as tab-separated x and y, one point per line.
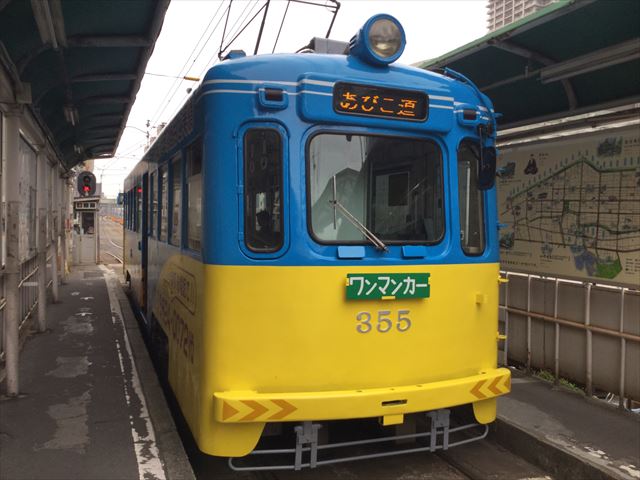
315	237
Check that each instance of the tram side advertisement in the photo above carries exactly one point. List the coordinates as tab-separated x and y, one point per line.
570	207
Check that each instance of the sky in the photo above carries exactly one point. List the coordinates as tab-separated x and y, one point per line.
192	31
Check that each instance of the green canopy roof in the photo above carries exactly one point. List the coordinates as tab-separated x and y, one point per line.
78	65
572	57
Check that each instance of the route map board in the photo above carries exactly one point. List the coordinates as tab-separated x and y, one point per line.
571	207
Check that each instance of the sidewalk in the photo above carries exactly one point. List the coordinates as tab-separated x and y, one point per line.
566	434
91	406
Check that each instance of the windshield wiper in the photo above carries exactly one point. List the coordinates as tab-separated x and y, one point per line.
369	235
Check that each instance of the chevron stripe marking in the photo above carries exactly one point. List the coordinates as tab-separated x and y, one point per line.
493	387
258	409
285	410
475	391
507	383
227	411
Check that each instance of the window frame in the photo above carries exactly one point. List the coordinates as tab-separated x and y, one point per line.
195	143
163	167
284	195
176	158
483	197
371	133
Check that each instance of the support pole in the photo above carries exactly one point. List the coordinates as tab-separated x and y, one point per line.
56	232
41	195
12	267
63	229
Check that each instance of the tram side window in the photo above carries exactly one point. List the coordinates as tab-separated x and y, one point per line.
194	195
138	219
130	209
125	213
263	223
164	203
153	203
176	199
471	199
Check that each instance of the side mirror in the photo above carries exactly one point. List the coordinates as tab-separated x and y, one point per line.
487	168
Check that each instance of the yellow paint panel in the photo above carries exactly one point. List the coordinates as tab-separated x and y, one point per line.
266	330
365	403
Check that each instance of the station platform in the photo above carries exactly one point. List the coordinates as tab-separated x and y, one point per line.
91	406
566	434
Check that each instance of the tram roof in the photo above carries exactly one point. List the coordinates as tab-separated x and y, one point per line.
572	57
78	65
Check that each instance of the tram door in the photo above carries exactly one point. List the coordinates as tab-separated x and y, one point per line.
144	235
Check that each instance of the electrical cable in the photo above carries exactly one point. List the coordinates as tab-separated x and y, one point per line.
237	25
175	85
216	56
281	24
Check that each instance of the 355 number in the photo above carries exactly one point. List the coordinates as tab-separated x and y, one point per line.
383	321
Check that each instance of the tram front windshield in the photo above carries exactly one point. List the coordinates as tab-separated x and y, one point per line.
391	185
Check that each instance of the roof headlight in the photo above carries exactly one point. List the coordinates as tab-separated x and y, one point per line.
380	41
385	37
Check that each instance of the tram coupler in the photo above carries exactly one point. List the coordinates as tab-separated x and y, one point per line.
306	439
439	420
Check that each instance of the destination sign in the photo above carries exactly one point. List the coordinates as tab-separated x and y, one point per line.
371	101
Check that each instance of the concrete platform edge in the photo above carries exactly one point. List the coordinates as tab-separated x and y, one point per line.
560	463
174	458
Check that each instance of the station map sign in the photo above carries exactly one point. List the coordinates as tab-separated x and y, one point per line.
572	207
372	101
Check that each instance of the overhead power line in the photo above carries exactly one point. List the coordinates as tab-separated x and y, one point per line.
176	84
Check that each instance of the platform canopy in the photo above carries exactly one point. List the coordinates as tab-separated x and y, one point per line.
78	65
571	57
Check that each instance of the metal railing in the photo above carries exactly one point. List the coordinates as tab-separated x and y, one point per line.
564	325
28	292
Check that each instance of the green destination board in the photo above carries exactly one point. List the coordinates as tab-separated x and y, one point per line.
387	286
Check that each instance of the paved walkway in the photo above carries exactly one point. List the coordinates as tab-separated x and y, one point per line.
567	434
91	406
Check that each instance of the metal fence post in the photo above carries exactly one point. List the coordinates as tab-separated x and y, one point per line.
623	352
506	321
589	349
556	355
528	324
12	267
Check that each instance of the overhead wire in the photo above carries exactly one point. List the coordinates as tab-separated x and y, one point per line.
237	24
176	84
244	27
281	24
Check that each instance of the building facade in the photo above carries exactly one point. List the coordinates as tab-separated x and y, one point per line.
504	12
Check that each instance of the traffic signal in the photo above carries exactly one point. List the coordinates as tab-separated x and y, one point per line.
86	184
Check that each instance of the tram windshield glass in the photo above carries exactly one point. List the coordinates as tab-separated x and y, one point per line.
392	186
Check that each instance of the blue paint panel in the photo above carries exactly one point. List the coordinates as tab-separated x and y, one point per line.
351	251
230	101
414	251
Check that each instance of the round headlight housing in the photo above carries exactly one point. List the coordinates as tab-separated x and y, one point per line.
380	41
385	38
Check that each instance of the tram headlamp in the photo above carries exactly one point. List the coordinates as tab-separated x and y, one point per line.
380	41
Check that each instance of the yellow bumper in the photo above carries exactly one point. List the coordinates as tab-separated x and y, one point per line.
249	406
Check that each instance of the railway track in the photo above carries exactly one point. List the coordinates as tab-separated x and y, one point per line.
109	249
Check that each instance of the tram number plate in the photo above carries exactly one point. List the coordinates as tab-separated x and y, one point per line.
387	286
383	321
